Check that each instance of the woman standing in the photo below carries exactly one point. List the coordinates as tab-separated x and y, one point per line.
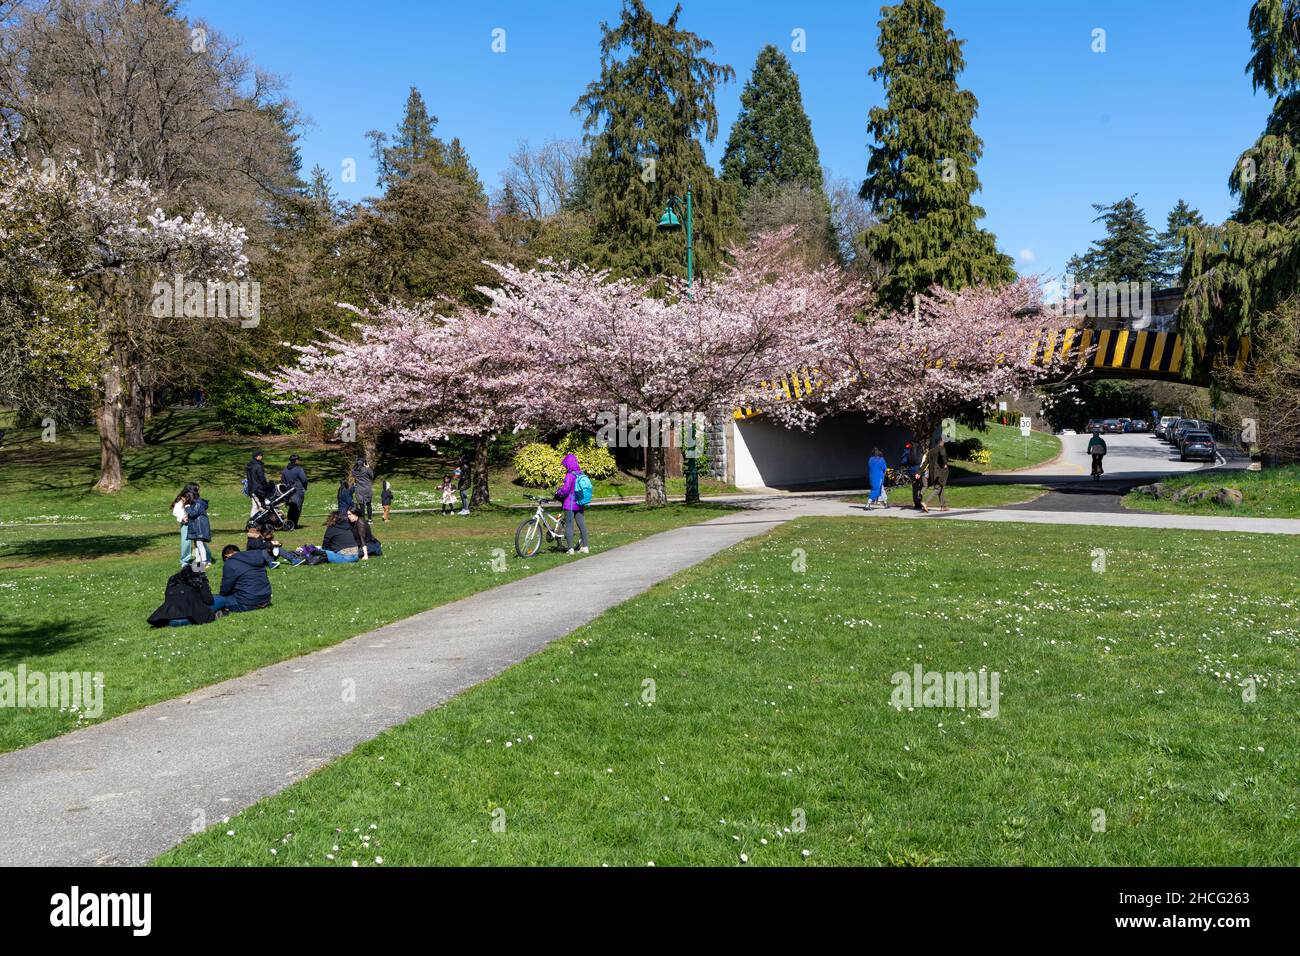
200	528
178	512
876	468
363	486
344	496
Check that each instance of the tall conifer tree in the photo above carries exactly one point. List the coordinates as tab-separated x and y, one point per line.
645	116
921	173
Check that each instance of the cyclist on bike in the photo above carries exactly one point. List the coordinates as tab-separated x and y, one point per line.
1097	449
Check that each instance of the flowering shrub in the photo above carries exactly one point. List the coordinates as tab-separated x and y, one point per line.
538	466
596	460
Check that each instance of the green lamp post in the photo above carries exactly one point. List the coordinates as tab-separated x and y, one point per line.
670	222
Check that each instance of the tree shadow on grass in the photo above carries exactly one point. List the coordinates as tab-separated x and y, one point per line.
21	641
80	549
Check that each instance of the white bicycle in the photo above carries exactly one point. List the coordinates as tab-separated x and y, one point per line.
534	530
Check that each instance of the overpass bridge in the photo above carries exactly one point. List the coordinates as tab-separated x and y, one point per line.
750	451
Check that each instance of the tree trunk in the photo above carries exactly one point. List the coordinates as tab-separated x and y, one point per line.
149	399
133	417
655	465
108	419
481	495
369	442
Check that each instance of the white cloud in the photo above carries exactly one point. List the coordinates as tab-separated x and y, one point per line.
1027	255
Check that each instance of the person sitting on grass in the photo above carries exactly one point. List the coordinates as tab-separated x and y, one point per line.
346	539
245	585
260	538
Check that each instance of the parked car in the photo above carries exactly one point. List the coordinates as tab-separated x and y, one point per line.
1067	431
1094	426
1171	433
1135	425
1185	425
1197	445
1111	426
1164	423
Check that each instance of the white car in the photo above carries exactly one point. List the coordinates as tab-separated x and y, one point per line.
1067	431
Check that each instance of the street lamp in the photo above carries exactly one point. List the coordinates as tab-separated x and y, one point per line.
670	222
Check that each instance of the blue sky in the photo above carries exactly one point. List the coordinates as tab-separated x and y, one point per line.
1163	112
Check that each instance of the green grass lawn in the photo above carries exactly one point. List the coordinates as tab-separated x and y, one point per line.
1272	493
741	711
1007	448
967	496
80	572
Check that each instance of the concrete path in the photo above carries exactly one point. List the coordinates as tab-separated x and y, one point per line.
123	791
1106	519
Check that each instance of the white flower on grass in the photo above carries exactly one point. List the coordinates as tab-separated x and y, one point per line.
807	853
744	858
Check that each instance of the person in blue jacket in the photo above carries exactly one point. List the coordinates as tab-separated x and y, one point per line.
876	468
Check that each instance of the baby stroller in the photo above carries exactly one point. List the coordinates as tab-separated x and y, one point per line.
270	516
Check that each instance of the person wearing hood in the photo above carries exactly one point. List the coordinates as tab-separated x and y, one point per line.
575	492
198	527
876	469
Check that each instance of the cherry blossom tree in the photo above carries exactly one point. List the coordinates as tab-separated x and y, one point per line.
591	349
102	242
414	373
915	367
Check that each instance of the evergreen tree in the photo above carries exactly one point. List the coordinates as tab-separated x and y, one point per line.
921	173
772	160
1129	252
1239	274
415	145
1181	217
644	116
771	142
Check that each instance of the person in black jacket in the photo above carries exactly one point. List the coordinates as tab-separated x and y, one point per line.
187	600
259	489
344	496
295	478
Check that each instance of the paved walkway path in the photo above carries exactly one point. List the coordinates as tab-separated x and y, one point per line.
1109	519
123	791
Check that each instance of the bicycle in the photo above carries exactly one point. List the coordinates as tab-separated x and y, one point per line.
541	526
1096	468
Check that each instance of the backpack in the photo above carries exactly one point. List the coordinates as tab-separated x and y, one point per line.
582	489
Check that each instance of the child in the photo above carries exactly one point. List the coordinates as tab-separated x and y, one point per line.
386	498
200	529
178	512
448	495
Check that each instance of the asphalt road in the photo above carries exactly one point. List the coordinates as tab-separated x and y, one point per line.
1132	459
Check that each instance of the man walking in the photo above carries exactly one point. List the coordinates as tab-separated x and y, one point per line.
911	465
259	489
294	476
938	456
